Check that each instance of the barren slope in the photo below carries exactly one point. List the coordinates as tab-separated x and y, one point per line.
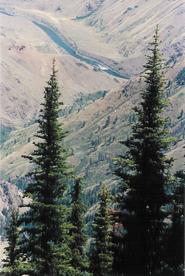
25	66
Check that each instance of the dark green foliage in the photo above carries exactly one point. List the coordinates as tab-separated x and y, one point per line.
101	255
44	228
180	78
11	262
78	259
144	171
175	233
20	182
4	133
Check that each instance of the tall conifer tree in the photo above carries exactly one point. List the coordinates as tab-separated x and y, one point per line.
102	255
77	234
144	171
44	227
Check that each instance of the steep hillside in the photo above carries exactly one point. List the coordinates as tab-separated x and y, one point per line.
95	130
97	106
26	62
68	8
10	198
130	24
114	31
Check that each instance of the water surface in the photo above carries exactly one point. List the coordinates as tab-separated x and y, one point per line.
98	65
62	43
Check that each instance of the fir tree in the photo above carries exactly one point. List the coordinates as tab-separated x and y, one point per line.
44	227
79	259
102	255
174	250
144	171
11	251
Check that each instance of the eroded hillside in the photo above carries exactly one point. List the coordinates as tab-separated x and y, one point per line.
97	106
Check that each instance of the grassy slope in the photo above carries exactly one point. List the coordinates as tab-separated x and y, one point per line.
94	134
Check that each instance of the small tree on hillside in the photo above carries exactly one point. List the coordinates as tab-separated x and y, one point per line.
102	255
10	263
78	239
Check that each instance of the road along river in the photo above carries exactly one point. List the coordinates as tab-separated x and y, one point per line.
97	64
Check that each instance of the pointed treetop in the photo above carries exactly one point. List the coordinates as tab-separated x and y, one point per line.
156	35
54	71
157	30
54	62
156	40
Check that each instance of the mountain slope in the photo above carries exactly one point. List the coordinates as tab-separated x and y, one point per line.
98	107
94	134
26	62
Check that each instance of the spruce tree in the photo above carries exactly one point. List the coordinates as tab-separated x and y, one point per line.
11	263
78	239
44	227
174	250
144	172
102	255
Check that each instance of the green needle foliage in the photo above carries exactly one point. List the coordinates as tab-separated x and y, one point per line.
44	227
12	234
78	239
102	255
144	171
175	235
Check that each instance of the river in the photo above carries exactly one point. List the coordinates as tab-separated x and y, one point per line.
98	65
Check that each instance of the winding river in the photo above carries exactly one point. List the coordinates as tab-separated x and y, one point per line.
98	65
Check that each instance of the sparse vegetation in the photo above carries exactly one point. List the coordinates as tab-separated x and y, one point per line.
180	79
82	101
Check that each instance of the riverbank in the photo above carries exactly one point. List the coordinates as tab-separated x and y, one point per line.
52	30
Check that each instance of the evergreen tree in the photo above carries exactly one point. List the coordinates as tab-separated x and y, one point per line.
101	255
44	227
144	172
79	259
11	262
175	235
